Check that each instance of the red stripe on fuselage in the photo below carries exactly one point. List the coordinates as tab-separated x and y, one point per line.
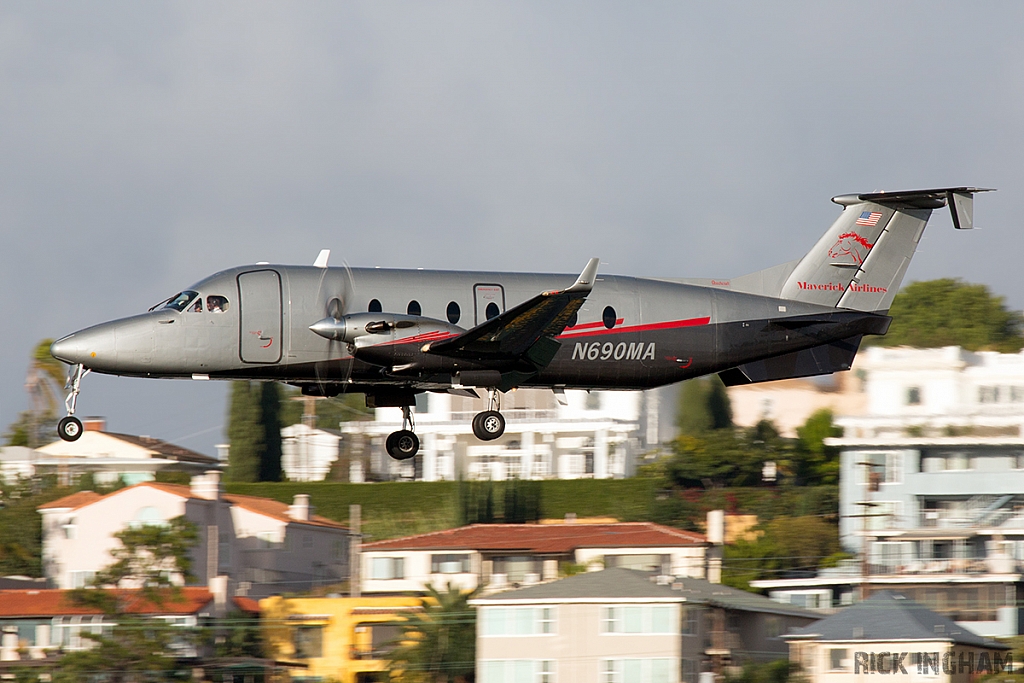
669	325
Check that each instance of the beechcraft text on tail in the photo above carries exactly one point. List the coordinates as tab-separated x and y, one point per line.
390	334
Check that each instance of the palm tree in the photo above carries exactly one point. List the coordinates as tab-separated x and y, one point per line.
438	645
43	383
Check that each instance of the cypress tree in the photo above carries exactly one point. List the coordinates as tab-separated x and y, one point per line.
270	417
245	433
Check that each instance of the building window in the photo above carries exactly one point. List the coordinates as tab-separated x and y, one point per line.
517	671
689	620
386	568
638	670
224	550
882	467
449	564
838	659
988	394
689	671
638	619
518	621
80	578
307	541
646	563
517	567
70	529
267	539
772	626
913	396
309	642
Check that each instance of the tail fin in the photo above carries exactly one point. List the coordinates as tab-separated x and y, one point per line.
860	262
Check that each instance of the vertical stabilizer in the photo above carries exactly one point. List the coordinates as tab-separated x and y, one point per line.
860	262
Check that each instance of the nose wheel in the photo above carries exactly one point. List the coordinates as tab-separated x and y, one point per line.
70	427
404	443
489	424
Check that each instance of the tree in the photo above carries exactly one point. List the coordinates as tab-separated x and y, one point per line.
37	426
270	416
703	406
949	312
254	432
819	464
330	412
21	530
783	544
438	644
135	648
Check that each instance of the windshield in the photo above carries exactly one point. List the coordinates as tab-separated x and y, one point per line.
179	301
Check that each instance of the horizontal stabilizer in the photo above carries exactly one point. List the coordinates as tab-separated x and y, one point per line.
960	201
819	360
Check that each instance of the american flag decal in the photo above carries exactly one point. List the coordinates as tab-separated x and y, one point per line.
869	218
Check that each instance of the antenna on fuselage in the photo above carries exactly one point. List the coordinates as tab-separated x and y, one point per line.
321	259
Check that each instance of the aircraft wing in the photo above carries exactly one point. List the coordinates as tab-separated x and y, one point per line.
526	331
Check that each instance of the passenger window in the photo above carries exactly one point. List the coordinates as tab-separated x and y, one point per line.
608	317
574	319
197	307
454	313
216	304
492	310
414	308
374	307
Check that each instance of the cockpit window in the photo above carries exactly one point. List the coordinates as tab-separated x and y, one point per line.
180	301
197	307
216	304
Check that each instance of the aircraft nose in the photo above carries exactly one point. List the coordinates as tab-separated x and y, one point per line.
90	347
68	349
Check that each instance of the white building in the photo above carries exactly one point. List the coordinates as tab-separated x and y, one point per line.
932	485
307	453
261	545
592	435
498	556
108	456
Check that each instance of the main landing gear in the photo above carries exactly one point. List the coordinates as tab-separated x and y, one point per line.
489	424
70	428
403	444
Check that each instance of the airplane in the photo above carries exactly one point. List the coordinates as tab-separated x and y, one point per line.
391	334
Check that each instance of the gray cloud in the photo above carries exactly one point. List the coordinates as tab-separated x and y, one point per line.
143	146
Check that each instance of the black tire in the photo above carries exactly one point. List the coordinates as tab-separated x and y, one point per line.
69	428
402	445
488	425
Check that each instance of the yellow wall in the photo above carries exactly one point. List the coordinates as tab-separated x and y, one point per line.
281	616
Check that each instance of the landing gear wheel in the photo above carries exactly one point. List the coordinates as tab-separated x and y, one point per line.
69	428
402	445
488	425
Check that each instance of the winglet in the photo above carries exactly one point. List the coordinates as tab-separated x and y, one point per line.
585	282
321	259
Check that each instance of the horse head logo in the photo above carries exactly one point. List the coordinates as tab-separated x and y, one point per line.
850	249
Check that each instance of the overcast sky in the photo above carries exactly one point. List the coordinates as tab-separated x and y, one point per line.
146	145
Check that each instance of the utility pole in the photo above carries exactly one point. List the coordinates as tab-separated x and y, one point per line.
355	542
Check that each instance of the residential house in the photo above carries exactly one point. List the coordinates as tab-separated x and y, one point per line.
890	634
110	457
620	625
571	435
37	624
789	402
308	453
332	638
499	556
262	545
932	487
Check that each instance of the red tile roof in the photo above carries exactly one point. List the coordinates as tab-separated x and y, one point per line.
167	450
55	603
247	605
545	538
75	500
264	506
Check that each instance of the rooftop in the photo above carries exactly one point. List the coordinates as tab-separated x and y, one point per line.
545	538
54	602
629	584
264	506
887	616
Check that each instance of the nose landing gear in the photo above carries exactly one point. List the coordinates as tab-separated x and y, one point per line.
490	424
70	428
404	443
